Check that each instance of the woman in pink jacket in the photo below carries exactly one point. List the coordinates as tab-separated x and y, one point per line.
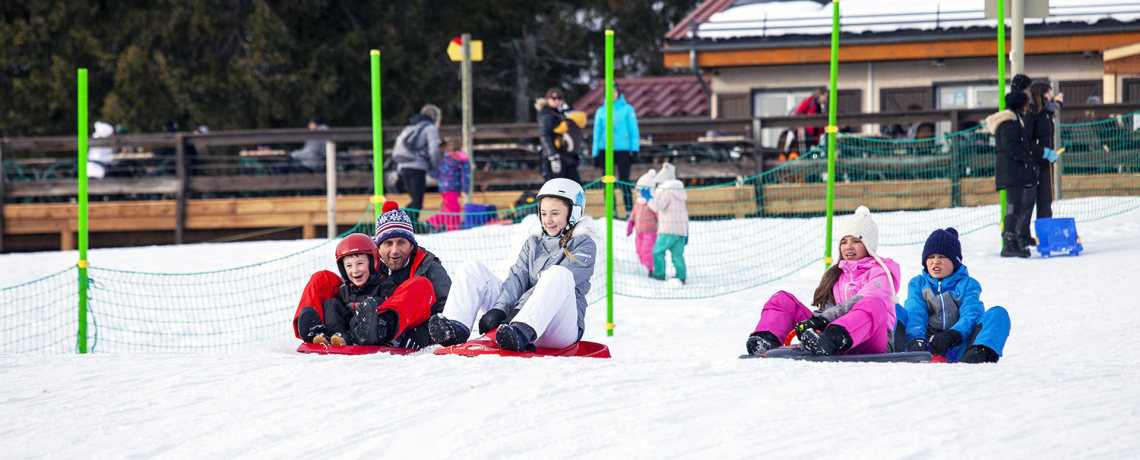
855	301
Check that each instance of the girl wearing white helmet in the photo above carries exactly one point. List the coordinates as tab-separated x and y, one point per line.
542	303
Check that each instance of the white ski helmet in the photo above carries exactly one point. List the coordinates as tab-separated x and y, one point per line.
568	190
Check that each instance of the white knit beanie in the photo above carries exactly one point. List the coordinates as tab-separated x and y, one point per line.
860	225
665	174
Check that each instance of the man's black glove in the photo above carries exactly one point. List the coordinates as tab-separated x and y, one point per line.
817	323
943	341
918	344
491	320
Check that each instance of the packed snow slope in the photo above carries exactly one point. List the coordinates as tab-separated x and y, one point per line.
1066	387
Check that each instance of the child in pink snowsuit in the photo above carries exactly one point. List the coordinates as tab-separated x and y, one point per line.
855	301
644	221
454	175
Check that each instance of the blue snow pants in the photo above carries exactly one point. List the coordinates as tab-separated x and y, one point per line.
992	330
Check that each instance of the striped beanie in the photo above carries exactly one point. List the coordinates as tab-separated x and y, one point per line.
393	222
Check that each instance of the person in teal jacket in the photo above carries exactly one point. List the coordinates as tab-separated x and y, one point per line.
943	312
627	142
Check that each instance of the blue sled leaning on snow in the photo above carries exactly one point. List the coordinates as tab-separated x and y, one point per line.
1057	235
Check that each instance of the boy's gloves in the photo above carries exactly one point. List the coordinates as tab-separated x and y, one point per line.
491	320
943	341
918	344
813	323
647	194
369	327
1051	155
629	228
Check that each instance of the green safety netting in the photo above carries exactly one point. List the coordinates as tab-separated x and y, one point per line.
740	235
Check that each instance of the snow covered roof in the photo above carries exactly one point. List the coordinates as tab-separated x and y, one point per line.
752	19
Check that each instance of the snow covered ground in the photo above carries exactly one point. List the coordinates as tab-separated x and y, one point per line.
674	388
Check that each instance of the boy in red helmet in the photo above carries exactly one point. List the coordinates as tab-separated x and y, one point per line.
387	293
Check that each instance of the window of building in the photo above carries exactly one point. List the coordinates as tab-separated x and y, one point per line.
967	96
781	102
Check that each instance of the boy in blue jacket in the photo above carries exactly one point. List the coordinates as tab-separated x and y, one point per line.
944	311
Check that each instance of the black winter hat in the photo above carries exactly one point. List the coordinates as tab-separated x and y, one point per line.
1020	82
944	242
1016	101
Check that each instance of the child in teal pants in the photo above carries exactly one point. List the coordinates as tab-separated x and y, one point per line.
672	222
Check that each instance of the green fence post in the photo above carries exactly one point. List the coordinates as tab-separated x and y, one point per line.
377	138
609	180
82	158
1001	85
832	97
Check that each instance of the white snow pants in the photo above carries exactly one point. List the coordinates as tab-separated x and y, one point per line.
551	310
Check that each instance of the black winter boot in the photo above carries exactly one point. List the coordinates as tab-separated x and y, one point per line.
1024	242
979	354
446	332
1010	247
513	338
760	342
833	340
309	325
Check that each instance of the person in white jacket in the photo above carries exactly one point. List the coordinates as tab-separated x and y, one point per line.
672	223
99	158
542	303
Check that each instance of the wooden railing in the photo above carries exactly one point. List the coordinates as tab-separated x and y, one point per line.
756	159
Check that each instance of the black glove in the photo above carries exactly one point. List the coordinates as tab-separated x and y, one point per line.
491	320
817	323
368	327
918	344
943	341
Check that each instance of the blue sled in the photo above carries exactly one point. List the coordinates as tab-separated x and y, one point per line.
1058	234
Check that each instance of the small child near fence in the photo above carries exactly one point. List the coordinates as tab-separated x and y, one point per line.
644	221
454	176
672	222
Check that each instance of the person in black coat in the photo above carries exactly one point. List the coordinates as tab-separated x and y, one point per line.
1014	171
550	115
1040	127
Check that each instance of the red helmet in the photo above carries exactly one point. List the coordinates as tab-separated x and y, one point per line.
357	243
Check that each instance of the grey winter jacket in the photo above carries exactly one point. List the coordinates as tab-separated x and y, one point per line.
540	253
421	148
312	155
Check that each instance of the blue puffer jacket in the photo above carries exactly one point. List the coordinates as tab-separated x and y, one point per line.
953	302
627	137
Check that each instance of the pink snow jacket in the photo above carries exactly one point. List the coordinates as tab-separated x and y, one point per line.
861	278
642	219
669	204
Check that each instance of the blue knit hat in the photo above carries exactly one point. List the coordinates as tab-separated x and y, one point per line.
944	242
393	223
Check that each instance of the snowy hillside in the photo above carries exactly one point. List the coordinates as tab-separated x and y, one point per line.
1066	387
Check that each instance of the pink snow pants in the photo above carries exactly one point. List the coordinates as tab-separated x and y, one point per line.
868	322
644	242
448	222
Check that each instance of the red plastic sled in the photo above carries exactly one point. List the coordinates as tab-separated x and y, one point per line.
486	345
351	349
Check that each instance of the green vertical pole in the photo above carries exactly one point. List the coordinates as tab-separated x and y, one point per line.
1001	85
831	129
82	159
377	137
609	180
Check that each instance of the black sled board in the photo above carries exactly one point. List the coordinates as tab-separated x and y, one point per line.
802	355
